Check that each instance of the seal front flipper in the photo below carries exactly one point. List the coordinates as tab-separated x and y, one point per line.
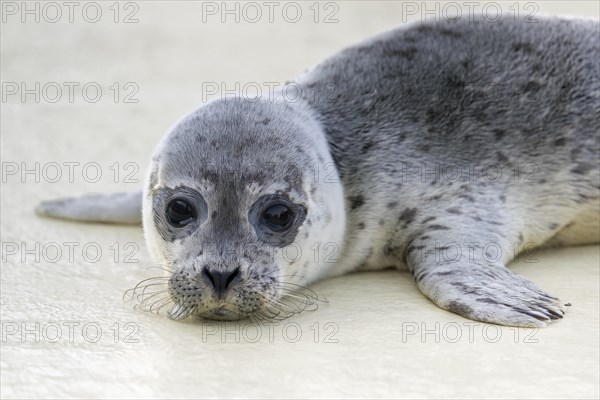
115	208
465	274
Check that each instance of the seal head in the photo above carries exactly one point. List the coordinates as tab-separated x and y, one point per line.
233	208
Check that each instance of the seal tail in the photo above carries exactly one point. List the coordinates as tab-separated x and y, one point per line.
115	208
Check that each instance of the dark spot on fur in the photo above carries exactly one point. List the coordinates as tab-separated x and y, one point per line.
450	32
361	225
356	202
501	157
467	289
455	83
560	141
454	210
413	248
428	219
522	46
424	148
381	222
408	53
213	215
582	169
531	87
436	227
266	121
446	272
553	226
486	300
502	198
459	308
492	222
499	134
367	146
408	216
420	276
392	204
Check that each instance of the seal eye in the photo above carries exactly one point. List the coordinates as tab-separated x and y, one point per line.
180	213
278	217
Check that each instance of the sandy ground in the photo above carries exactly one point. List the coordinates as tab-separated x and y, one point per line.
67	333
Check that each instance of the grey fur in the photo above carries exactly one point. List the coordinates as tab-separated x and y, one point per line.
407	107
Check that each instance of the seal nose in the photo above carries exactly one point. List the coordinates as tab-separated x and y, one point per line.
220	280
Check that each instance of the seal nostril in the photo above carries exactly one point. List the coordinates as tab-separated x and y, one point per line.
220	281
209	276
232	276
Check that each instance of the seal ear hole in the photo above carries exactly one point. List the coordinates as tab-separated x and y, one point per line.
180	212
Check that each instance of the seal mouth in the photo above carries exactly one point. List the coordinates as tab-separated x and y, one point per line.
220	314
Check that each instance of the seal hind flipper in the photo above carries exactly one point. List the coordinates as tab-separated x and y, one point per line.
115	208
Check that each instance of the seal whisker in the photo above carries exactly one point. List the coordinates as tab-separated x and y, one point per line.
285	310
293	307
259	316
161	269
152	285
161	303
180	311
142	284
144	301
171	302
298	296
140	298
276	309
297	289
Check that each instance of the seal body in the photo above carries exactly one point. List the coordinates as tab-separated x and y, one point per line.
467	144
446	149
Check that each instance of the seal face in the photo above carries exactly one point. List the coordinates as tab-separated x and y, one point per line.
232	213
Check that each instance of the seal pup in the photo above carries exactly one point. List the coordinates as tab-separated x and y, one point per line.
445	149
